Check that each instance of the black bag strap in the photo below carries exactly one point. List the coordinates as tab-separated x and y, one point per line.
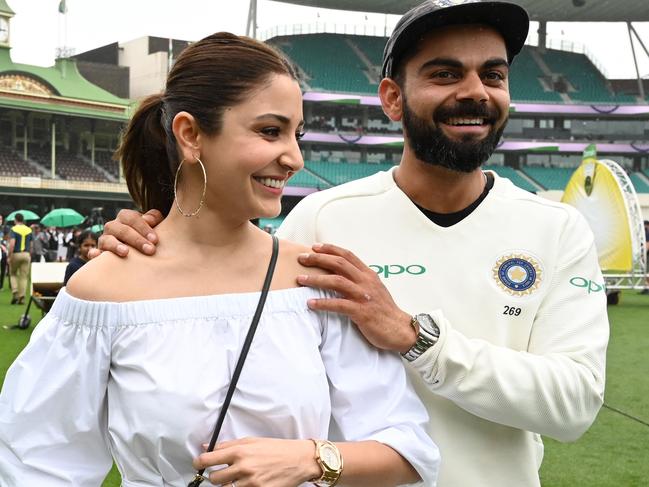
198	478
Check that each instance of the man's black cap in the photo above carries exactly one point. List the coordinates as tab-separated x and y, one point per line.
509	19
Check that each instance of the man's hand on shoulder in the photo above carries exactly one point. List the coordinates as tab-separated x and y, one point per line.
129	229
363	297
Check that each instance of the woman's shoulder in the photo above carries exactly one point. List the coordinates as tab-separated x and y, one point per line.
290	251
288	266
107	278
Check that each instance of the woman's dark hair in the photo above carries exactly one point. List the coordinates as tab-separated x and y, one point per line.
86	234
208	77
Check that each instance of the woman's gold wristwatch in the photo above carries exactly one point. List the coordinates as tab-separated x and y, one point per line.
331	462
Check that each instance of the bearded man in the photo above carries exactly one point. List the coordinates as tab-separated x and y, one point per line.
480	281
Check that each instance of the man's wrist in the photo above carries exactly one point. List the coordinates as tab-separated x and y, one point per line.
410	334
427	336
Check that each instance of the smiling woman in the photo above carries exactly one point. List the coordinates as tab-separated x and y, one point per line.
142	349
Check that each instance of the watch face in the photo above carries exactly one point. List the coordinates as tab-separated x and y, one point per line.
329	456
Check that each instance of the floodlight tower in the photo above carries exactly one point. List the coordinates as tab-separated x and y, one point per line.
251	25
63	51
631	30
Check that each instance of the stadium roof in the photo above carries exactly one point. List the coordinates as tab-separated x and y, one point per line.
545	10
5	9
57	89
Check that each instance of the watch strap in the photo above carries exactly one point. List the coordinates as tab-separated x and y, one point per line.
427	336
329	477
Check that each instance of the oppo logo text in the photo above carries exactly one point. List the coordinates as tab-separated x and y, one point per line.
591	286
388	270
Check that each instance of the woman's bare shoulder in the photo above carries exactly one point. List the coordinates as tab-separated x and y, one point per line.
107	278
289	253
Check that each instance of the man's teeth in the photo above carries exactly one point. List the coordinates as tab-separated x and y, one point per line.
272	183
465	121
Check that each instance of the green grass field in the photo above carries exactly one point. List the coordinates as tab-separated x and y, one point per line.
613	453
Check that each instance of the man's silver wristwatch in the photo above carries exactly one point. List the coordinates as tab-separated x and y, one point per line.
427	336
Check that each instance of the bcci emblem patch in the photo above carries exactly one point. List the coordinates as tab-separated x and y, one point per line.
517	274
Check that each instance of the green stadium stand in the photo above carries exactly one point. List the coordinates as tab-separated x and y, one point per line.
584	76
273	222
638	183
372	47
329	61
511	174
342	172
550	177
335	173
524	84
332	65
305	179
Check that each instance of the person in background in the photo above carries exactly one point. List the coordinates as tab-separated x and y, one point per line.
39	243
72	242
19	255
61	235
469	277
85	241
646	244
3	253
3	262
52	244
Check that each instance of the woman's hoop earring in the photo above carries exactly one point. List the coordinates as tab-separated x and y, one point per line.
200	205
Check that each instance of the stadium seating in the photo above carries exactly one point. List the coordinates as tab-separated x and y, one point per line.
342	172
638	183
273	222
329	62
584	76
524	81
324	174
550	177
372	47
305	179
513	176
105	160
68	166
11	164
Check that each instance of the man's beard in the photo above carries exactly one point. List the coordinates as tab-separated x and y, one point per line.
431	146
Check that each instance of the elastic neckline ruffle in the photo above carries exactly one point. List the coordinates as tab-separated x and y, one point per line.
75	311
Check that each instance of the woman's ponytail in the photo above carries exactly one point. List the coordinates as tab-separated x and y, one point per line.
145	159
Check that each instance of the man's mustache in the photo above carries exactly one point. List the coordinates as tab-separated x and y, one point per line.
468	109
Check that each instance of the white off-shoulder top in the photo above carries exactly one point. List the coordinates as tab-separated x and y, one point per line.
142	383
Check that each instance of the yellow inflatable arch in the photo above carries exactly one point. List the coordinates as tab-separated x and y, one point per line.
602	191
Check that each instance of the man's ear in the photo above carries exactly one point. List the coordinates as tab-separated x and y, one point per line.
188	135
391	99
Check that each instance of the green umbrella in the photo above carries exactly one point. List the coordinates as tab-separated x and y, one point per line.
28	215
97	228
62	217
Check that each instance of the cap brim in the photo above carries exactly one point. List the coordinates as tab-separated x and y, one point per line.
509	19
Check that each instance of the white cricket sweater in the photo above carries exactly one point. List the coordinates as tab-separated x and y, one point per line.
517	292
